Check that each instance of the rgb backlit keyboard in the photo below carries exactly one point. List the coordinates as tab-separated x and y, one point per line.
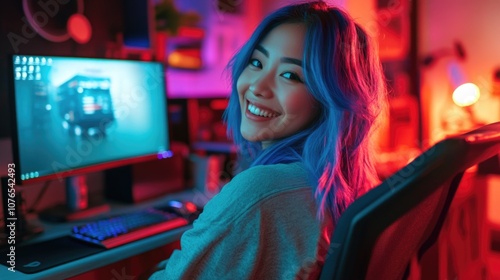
121	229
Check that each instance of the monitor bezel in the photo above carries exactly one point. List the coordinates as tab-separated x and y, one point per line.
90	168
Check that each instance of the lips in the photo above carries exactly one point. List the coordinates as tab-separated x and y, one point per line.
260	111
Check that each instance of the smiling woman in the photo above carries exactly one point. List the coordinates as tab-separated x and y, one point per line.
275	102
307	90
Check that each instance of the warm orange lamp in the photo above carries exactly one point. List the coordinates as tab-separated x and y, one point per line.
466	95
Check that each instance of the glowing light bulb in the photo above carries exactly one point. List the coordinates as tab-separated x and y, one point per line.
466	94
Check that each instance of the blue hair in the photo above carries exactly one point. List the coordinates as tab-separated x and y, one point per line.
343	74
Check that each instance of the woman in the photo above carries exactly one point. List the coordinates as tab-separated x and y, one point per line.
306	92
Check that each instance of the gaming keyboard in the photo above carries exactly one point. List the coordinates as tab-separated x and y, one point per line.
125	228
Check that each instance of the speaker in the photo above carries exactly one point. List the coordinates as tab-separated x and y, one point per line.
208	173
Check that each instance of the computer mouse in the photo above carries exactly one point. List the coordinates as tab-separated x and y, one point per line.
186	209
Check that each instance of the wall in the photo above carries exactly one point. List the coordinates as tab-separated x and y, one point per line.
226	26
476	24
17	37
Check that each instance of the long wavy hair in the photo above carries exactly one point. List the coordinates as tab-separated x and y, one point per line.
343	73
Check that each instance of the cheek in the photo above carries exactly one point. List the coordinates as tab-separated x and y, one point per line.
241	91
292	105
242	83
298	103
239	86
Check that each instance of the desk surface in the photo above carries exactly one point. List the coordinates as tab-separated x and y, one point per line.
55	230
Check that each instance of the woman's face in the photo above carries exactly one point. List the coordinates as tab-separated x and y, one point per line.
274	100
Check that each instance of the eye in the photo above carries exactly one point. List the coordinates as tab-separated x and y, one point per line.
255	63
292	76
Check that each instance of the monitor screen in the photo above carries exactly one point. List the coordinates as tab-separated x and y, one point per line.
73	115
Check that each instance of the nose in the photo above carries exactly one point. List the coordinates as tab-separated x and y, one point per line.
262	86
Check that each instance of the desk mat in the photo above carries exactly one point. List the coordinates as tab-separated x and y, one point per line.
33	258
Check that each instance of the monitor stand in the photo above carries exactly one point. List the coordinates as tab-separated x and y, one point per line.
78	204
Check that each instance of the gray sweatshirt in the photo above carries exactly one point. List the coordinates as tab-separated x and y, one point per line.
262	225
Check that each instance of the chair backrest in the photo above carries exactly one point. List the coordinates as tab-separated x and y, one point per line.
380	232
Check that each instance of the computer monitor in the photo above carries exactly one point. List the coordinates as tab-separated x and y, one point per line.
74	115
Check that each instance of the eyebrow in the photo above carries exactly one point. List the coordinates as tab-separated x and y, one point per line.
283	59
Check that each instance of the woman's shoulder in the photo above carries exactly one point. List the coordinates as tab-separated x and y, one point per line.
274	176
280	169
259	184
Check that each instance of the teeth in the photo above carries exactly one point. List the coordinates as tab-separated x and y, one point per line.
260	112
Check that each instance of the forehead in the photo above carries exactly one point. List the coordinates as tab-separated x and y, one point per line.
287	39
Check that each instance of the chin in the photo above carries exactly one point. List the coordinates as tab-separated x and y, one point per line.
252	136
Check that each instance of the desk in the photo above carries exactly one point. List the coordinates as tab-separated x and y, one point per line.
104	258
